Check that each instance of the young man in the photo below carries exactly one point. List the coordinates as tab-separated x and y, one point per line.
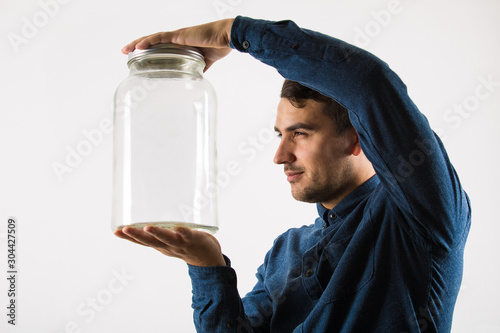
386	252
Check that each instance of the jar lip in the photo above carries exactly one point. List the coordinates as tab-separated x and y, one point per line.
161	50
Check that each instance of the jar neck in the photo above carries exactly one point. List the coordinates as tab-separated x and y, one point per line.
167	66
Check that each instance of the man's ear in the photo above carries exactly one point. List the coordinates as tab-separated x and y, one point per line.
355	146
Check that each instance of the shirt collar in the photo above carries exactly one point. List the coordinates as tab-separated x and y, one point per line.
348	203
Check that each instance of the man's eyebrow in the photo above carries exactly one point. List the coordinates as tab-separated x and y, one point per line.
296	127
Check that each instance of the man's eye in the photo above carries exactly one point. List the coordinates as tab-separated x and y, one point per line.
298	133
279	135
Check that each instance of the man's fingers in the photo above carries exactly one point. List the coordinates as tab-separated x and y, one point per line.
171	238
143	237
131	46
154	236
122	235
146	41
139	43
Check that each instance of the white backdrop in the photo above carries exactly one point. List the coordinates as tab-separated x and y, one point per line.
60	64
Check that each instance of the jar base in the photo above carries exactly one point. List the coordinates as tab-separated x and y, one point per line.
171	225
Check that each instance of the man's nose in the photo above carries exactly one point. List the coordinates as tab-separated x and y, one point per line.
284	154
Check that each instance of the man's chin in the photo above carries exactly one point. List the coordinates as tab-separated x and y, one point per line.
300	195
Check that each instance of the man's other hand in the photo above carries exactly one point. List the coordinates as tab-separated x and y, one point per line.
211	38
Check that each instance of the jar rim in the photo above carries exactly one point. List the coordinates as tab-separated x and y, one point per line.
162	50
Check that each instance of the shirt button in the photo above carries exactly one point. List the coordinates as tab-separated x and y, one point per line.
245	45
309	272
332	216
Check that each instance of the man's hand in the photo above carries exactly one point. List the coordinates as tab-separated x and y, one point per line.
211	38
197	248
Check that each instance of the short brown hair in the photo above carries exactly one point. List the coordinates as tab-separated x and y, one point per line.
298	95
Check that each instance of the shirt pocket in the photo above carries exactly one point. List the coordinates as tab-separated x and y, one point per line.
352	262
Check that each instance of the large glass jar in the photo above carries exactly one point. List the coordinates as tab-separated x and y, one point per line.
164	142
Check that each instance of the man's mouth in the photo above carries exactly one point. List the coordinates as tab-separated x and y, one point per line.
292	176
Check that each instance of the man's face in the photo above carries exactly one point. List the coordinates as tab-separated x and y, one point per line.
317	162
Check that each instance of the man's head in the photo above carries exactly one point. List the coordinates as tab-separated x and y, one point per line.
298	95
319	147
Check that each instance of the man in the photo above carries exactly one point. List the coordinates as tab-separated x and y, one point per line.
386	252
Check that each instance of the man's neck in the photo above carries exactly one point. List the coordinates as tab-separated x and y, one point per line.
357	182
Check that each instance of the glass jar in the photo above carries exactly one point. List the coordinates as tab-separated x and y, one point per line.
164	142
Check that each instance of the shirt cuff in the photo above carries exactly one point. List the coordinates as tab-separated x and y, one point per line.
212	281
245	33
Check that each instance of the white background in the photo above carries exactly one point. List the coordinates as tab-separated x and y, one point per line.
57	82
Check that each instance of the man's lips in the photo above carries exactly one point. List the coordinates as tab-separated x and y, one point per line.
293	175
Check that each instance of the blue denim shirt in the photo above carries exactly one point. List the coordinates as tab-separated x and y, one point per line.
387	258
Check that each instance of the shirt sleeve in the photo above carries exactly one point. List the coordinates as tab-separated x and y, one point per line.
216	302
406	154
217	305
